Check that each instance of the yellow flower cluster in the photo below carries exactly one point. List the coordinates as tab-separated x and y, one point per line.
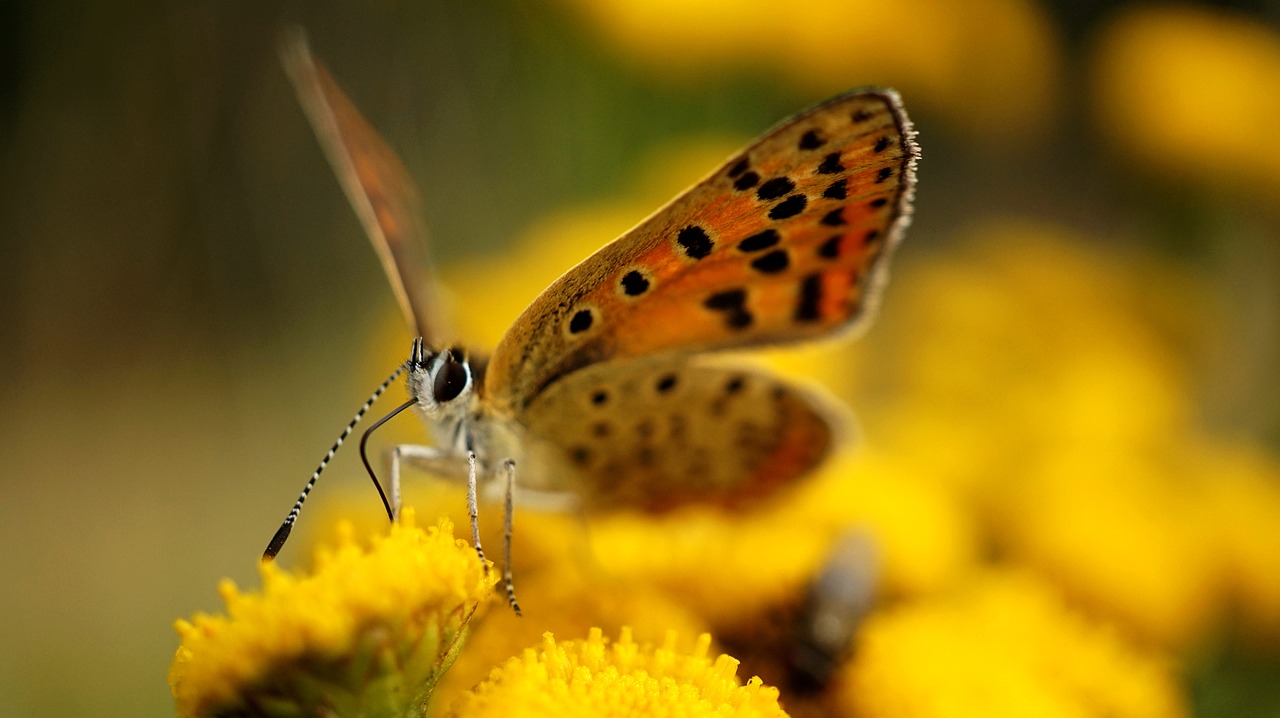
1006	646
1042	384
565	597
621	678
369	632
952	58
768	556
1192	92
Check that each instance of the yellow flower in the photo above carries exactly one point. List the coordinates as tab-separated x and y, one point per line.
926	538
1022	344
1048	385
1240	491
770	554
1007	647
1192	92
619	678
566	598
1124	533
565	584
990	66
1046	388
369	632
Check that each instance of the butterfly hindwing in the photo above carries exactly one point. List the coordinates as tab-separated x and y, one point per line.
784	242
657	433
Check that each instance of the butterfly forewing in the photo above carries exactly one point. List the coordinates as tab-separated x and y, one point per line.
782	243
376	183
657	433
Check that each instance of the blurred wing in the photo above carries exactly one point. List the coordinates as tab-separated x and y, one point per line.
374	180
784	242
655	433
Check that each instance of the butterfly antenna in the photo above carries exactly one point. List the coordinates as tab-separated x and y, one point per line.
282	533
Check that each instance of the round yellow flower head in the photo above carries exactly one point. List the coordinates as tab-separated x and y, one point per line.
368	632
1009	646
1189	92
622	678
566	599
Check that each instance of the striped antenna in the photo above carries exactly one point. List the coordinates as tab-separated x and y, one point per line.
282	534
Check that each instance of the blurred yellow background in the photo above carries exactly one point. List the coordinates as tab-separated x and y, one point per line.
1084	320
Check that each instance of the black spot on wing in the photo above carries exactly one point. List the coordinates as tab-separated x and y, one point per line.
644	429
732	304
771	263
775	188
665	383
739	320
728	299
759	241
830	249
694	241
580	455
834	218
881	145
830	164
808	307
581	321
837	190
811	140
789	207
645	455
739	167
746	181
634	284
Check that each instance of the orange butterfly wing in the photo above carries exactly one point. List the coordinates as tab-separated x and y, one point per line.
784	242
376	183
656	433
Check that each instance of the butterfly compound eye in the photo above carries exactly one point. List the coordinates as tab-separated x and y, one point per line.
450	379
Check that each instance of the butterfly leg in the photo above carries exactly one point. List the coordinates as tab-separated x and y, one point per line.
473	509
427	458
509	508
435	461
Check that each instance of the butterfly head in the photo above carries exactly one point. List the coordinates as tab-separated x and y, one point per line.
441	382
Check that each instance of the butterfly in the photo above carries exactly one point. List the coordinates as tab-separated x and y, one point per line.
603	389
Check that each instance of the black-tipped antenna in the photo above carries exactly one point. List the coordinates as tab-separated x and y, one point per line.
282	533
364	456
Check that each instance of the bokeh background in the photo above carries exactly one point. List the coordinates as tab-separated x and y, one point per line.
1080	345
